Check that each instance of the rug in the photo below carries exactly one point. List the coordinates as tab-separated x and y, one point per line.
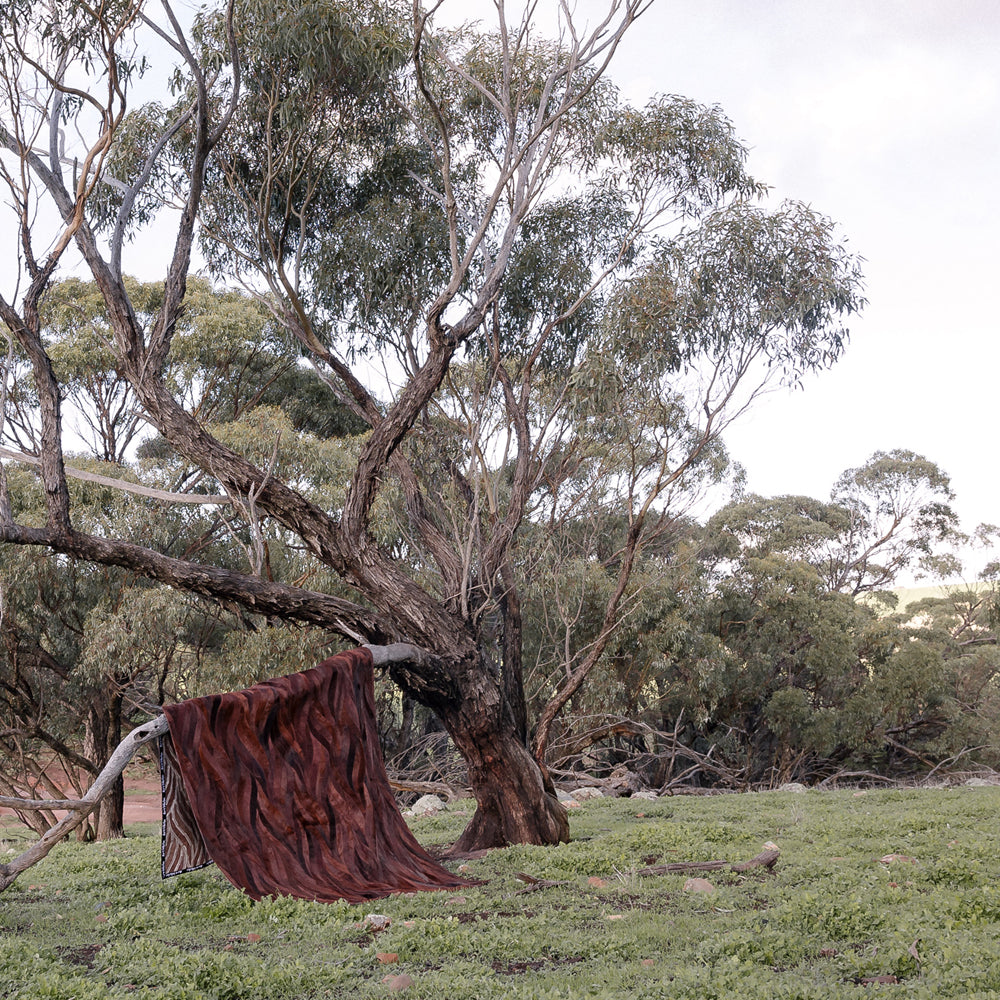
285	786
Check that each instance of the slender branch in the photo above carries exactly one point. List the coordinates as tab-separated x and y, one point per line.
121	484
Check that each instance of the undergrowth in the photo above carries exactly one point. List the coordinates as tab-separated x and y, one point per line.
892	892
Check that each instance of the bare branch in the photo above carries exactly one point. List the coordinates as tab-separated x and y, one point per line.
228	586
122	484
81	810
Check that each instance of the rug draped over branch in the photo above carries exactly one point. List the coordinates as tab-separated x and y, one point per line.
285	786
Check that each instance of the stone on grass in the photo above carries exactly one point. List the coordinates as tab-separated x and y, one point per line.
586	792
646	793
427	805
792	786
698	885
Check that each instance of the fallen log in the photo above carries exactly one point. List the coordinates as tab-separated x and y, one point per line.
440	788
766	859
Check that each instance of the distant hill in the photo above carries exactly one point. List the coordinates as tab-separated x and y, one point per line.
910	595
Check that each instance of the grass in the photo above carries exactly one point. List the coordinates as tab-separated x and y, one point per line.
95	921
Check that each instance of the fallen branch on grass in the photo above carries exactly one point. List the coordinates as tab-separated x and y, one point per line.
535	883
78	809
766	859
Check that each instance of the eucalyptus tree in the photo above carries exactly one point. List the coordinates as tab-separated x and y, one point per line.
534	296
891	514
816	678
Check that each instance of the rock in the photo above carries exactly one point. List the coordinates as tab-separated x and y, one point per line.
427	805
376	922
792	786
647	794
586	792
978	783
698	885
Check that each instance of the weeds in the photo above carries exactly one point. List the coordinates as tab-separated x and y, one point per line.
887	891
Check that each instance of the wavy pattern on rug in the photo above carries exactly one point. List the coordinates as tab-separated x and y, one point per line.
289	790
182	847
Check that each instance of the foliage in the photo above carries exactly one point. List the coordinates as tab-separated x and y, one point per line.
100	923
89	650
746	656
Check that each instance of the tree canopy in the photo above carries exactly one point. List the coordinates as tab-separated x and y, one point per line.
535	302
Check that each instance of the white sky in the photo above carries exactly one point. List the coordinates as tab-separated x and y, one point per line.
884	115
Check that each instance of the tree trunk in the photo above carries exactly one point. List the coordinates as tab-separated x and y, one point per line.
103	734
515	800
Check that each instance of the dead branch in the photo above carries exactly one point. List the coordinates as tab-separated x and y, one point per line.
440	788
535	883
766	859
80	810
121	484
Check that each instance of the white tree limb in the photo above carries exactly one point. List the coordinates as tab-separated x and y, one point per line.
82	808
121	484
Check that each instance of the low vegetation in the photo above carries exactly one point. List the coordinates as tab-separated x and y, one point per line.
893	892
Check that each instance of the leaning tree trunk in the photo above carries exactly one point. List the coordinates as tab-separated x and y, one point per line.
515	800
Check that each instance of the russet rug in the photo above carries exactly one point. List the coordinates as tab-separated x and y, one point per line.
283	786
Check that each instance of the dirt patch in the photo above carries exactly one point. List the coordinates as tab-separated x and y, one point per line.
80	956
142	798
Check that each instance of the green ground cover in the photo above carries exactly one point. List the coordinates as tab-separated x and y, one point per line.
95	921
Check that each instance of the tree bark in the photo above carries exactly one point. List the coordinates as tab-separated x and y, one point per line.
515	800
104	732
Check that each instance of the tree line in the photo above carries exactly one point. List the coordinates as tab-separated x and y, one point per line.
758	646
470	333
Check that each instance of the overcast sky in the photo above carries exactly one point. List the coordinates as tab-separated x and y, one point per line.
884	115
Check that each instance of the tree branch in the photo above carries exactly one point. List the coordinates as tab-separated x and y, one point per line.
227	586
122	484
